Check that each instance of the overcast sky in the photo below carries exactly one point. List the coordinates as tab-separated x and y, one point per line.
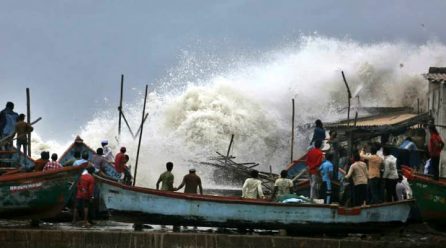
72	53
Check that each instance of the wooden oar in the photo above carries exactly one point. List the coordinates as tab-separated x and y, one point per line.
7	138
299	175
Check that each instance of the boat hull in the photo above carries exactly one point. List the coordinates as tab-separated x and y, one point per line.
36	195
429	194
141	205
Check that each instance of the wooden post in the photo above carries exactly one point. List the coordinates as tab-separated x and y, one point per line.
428	104
271	173
127	123
229	149
140	136
120	106
28	119
418	109
349	97
292	130
350	144
418	105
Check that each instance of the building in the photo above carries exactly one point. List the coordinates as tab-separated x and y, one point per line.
437	105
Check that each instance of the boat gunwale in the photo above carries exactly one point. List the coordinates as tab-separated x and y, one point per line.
237	200
417	177
38	174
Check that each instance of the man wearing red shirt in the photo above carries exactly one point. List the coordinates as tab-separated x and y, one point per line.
120	160
84	195
436	144
314	160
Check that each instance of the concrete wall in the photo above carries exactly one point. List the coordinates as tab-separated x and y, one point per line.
18	238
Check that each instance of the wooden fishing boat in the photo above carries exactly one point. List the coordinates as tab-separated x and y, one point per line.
429	194
36	195
143	205
11	160
79	146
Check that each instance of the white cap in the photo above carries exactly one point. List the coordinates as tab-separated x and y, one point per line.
192	169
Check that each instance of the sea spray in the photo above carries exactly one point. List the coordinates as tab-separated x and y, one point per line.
192	116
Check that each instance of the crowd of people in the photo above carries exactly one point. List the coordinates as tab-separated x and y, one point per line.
372	173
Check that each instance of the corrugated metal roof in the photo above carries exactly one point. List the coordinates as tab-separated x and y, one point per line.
388	119
435	76
384	120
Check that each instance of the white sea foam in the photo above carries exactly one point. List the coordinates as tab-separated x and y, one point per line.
197	107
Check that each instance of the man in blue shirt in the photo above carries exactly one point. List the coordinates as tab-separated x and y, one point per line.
407	153
408	144
326	169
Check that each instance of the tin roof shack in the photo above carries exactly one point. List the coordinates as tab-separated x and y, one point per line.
383	125
437	105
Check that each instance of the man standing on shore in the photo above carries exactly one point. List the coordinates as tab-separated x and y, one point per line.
85	196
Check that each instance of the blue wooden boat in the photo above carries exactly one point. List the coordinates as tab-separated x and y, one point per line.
81	147
144	205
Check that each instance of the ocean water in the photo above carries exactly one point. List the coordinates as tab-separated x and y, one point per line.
196	107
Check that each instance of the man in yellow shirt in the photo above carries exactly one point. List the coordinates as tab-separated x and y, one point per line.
22	128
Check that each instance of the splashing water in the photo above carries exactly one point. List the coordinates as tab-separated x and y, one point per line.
194	111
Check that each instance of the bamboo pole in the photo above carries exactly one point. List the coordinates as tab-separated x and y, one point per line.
28	118
292	130
120	106
140	135
127	123
229	149
139	128
418	105
349	98
418	109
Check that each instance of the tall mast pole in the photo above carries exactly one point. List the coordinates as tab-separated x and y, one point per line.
140	135
120	106
292	130
28	119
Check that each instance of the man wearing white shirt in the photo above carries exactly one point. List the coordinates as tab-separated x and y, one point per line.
390	175
108	154
252	188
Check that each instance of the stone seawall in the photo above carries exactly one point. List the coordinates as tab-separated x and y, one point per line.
32	238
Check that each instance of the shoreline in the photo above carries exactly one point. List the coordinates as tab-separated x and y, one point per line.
107	234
